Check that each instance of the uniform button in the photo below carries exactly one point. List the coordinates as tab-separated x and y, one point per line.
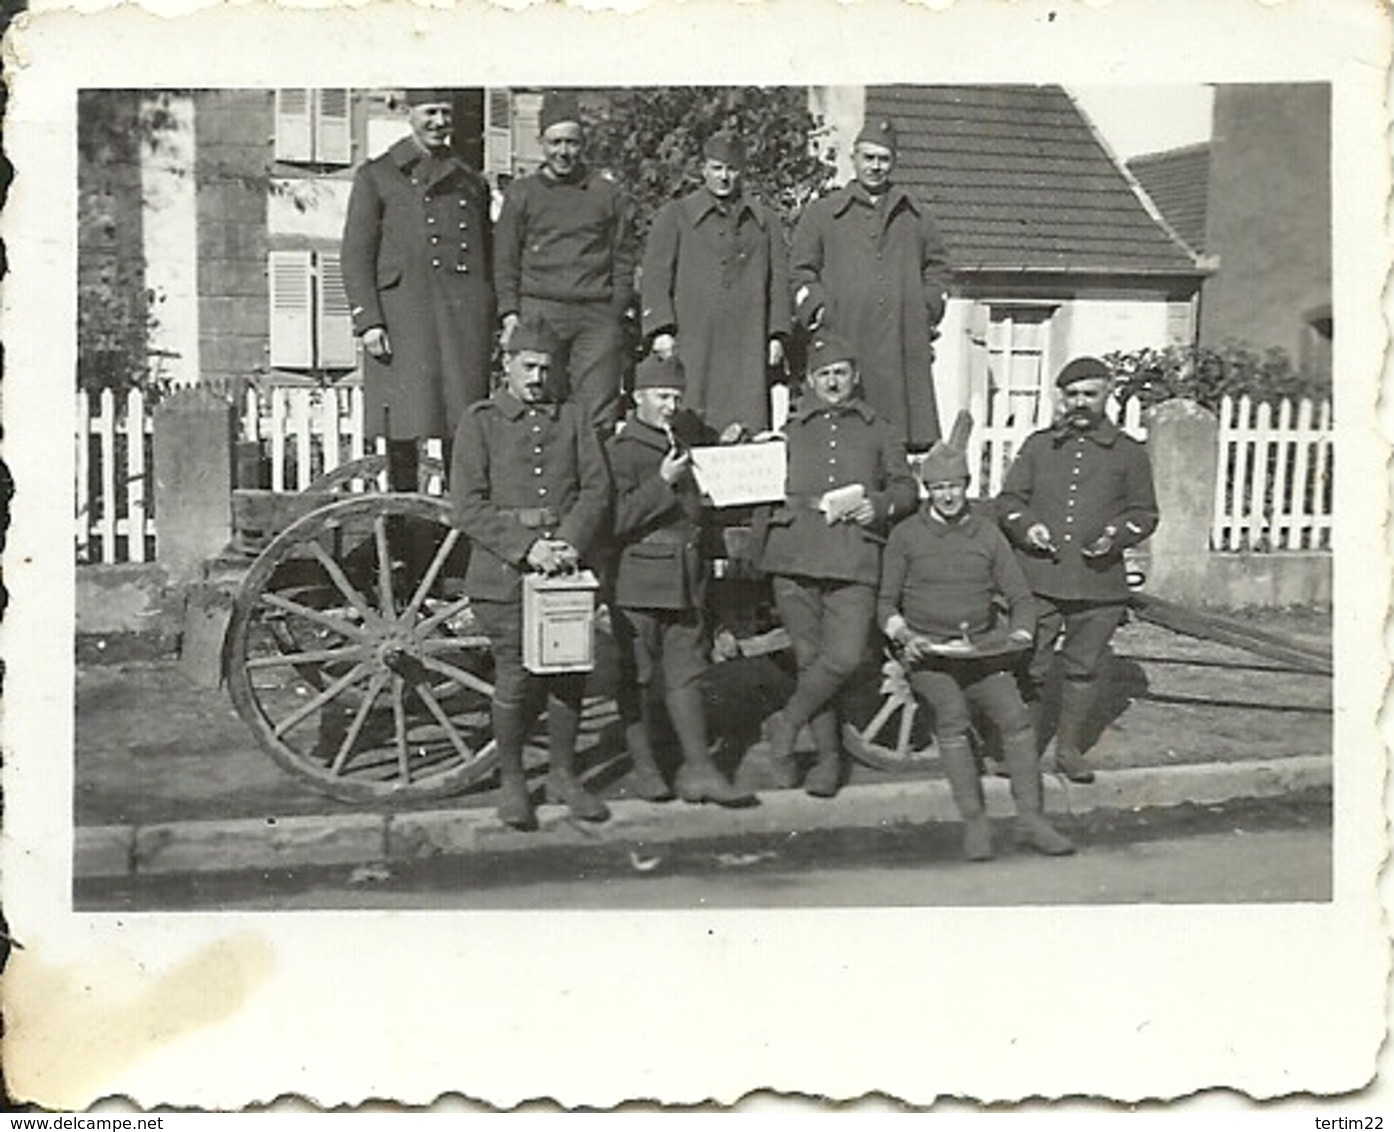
435	239
832	444
430	220
461	268
464	247
464	204
435	263
537	471
463	225
541	491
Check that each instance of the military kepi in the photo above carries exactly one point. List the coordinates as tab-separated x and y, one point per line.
878	131
659	373
726	147
558	106
825	349
1082	369
532	333
429	96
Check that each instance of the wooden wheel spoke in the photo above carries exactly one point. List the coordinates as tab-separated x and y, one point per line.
432	571
399	721
440	616
340	580
356	725
459	675
907	721
386	604
337	624
314	704
878	721
433	706
314	656
454	644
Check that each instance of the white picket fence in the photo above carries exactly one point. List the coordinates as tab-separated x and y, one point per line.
1273	491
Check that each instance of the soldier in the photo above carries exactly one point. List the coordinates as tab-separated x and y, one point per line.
1078	494
417	271
530	489
660	589
944	571
868	260
566	254
848	481
716	289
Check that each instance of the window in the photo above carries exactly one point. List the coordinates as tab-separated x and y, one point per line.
1318	330
1010	348
311	328
498	132
312	126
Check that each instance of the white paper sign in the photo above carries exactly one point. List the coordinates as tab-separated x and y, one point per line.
736	474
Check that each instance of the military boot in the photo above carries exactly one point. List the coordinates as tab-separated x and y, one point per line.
824	778
647	780
784	769
698	778
967	789
514	805
1076	698
563	719
1031	826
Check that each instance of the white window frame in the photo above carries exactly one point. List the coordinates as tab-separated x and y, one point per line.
311	328
994	339
314	126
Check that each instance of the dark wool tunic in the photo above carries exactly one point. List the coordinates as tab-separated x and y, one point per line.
1078	483
941	576
416	260
571	241
830	448
879	271
657	525
519	473
716	275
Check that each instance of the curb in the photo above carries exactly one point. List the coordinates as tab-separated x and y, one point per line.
360	839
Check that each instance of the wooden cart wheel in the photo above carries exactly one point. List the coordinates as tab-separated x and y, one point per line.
885	726
381	698
367	474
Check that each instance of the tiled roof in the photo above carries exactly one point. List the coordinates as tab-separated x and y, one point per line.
1178	181
1016	180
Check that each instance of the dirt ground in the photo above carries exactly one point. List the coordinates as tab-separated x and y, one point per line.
152	747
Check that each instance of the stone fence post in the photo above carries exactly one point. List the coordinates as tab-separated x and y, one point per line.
1183	443
193	479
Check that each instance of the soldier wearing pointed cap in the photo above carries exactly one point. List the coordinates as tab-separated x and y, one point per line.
848	481
1077	495
946	572
868	262
566	253
716	290
418	274
660	589
530	489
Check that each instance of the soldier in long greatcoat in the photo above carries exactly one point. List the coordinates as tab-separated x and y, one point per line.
868	264
716	290
418	274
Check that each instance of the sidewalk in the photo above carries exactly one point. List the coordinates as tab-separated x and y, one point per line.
169	779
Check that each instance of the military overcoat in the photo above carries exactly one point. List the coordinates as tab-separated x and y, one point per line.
878	273
832	447
417	260
520	473
716	275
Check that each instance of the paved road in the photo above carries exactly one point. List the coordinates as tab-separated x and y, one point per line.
1249	851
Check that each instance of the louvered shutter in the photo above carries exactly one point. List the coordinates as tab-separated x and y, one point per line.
498	132
333	138
291	284
294	129
336	345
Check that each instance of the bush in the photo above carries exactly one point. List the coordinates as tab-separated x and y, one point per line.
1206	374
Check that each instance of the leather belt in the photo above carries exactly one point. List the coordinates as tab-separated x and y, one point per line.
532	517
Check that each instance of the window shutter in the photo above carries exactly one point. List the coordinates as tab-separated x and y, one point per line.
294	136
292	343
333	137
337	349
498	132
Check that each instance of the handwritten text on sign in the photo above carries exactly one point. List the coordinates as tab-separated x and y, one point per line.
737	474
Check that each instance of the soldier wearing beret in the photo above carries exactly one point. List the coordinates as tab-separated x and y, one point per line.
566	253
848	480
868	260
1077	495
418	275
946	570
716	290
530	489
660	589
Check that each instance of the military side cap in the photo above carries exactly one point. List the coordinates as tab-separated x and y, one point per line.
878	131
532	333
825	349
428	96
659	373
725	146
558	106
1082	369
